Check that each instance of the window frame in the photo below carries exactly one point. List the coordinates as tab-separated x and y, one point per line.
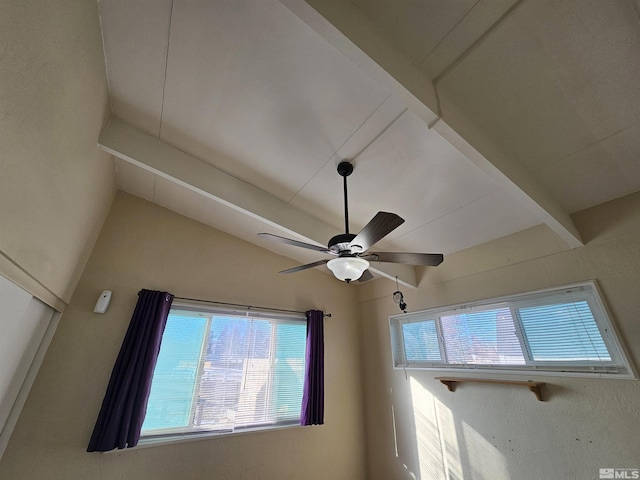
210	310
620	366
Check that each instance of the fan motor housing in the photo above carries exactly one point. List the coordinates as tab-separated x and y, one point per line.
341	242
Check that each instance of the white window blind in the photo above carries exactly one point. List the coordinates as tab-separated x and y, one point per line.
564	331
559	331
224	371
421	341
484	337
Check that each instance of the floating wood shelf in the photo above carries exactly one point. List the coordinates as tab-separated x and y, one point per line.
534	387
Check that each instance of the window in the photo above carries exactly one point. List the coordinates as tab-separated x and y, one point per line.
564	331
222	371
27	326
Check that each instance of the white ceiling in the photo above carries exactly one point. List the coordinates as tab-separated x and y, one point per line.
471	119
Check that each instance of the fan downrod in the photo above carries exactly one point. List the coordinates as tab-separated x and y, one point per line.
345	169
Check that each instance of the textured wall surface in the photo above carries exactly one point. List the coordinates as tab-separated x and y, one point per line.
416	429
146	246
55	186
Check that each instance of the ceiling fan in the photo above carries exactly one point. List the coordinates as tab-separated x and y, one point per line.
351	250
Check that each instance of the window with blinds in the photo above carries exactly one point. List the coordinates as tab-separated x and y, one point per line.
224	371
563	331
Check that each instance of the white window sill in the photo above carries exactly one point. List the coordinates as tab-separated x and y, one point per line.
195	437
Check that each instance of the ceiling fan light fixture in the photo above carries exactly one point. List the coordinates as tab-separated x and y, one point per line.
348	269
347	246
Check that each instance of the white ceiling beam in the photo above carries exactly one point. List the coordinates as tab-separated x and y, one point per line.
151	154
342	25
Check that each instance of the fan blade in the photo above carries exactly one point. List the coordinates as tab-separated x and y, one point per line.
366	276
304	267
379	227
295	243
430	259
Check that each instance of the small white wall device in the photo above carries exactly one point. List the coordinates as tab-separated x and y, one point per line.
103	302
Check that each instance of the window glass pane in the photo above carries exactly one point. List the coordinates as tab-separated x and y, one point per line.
560	331
235	374
288	382
174	379
421	342
486	337
220	373
563	332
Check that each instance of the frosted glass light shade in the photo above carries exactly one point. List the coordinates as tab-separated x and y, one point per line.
348	269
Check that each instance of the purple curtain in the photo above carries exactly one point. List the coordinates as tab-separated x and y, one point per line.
313	395
125	402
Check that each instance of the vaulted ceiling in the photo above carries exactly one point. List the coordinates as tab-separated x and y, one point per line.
470	119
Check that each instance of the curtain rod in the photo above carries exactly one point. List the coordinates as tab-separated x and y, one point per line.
248	307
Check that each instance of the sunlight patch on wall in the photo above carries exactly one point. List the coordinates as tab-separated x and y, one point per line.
485	460
436	440
449	441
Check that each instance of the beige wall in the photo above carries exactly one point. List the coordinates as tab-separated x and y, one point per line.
416	429
146	246
55	186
